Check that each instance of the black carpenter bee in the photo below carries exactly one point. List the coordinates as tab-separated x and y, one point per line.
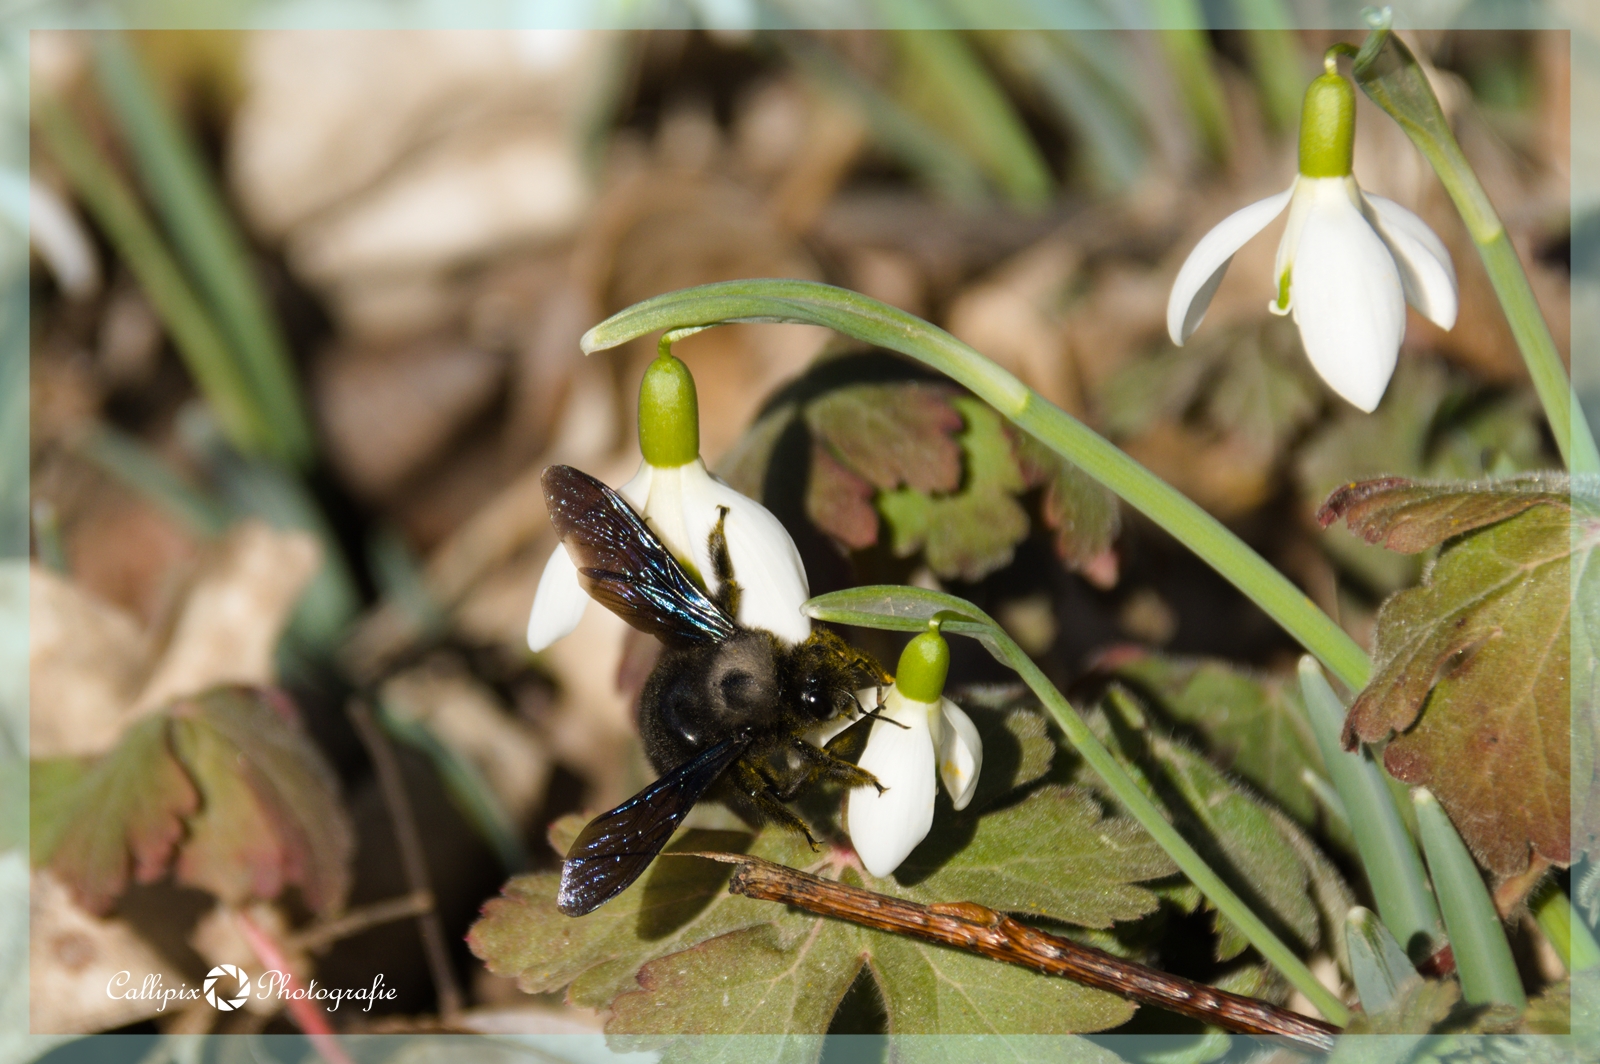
723	712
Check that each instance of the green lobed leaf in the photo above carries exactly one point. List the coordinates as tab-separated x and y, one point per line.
974	531
51	786
227	781
892	435
786	976
1052	854
1082	514
270	813
1236	834
1409	516
1247	380
1484	643
1252	725
676	904
934	990
123	818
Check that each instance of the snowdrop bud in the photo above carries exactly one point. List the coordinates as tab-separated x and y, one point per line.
669	414
924	664
1327	126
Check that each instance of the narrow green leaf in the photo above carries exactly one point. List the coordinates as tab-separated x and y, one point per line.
1103	117
471	793
1572	939
1380	968
145	472
204	350
936	161
206	237
940	77
1183	36
1483	956
1276	60
1388	855
805	302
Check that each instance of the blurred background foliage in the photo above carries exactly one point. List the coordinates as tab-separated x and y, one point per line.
303	314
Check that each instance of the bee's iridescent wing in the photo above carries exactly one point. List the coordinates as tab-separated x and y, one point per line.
624	566
616	847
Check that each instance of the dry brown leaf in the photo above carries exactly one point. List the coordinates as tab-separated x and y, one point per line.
1013	316
86	662
228	628
386	412
72	958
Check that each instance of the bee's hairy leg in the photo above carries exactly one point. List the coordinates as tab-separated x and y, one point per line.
824	766
755	785
727	594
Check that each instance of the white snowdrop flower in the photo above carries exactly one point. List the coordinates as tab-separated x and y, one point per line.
919	735
681	501
1348	263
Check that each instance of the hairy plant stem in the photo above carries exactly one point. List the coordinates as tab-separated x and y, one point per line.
806	302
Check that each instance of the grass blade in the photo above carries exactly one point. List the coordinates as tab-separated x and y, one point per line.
1483	956
1389	857
201	345
204	234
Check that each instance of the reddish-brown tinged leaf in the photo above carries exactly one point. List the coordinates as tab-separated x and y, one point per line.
129	808
1083	515
839	502
892	435
1472	668
1409	516
271	815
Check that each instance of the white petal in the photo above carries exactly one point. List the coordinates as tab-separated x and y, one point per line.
960	754
559	603
766	562
1426	273
1202	271
885	828
1347	299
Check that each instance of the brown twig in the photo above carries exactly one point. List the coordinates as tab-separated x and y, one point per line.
411	856
972	927
321	935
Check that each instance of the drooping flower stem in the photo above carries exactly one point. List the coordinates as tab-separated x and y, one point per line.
1389	74
858	316
910	609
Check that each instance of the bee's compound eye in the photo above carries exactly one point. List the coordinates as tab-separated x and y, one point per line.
814	696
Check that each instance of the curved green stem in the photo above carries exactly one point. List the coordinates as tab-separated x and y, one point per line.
1388	73
809	303
910	609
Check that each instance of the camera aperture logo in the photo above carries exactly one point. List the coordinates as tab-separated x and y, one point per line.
228	987
216	995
